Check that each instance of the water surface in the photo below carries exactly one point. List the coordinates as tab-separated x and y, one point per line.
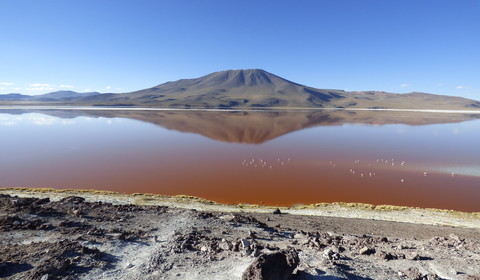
272	158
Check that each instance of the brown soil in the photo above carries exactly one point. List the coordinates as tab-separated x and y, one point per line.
74	238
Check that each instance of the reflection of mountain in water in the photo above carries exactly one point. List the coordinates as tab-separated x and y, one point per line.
256	127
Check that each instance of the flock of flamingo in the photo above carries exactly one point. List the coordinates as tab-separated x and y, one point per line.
361	169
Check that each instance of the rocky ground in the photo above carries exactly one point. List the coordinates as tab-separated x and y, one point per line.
72	238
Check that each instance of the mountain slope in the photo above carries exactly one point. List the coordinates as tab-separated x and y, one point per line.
413	100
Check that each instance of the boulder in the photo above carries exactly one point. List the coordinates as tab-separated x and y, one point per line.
276	266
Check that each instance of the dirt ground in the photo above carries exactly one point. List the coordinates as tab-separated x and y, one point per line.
72	238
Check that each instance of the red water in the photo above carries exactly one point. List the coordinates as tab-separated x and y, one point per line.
309	166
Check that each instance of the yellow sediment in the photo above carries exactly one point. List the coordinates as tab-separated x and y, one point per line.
336	209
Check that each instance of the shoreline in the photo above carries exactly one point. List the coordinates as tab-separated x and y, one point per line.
113	108
82	234
392	213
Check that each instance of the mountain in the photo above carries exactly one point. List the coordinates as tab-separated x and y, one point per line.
255	88
249	89
64	95
57	96
14	96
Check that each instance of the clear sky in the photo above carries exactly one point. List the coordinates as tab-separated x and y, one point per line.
120	46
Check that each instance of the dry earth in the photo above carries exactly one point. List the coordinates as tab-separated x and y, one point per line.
85	235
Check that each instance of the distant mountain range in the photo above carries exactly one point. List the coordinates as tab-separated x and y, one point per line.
64	95
245	89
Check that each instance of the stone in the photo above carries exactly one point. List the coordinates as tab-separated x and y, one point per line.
454	237
384	256
431	276
412	256
331	255
413	273
245	243
384	239
225	246
73	199
277	211
366	251
277	266
255	253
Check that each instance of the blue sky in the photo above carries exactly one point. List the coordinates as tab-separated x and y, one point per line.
120	46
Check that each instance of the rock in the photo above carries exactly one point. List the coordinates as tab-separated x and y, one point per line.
331	255
384	239
42	201
245	243
73	199
255	253
454	237
384	256
277	211
412	256
272	247
413	273
431	276
299	236
314	243
129	265
227	217
366	251
44	277
276	266
77	212
21	201
225	246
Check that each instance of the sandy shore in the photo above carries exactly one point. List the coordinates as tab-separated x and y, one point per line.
51	234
